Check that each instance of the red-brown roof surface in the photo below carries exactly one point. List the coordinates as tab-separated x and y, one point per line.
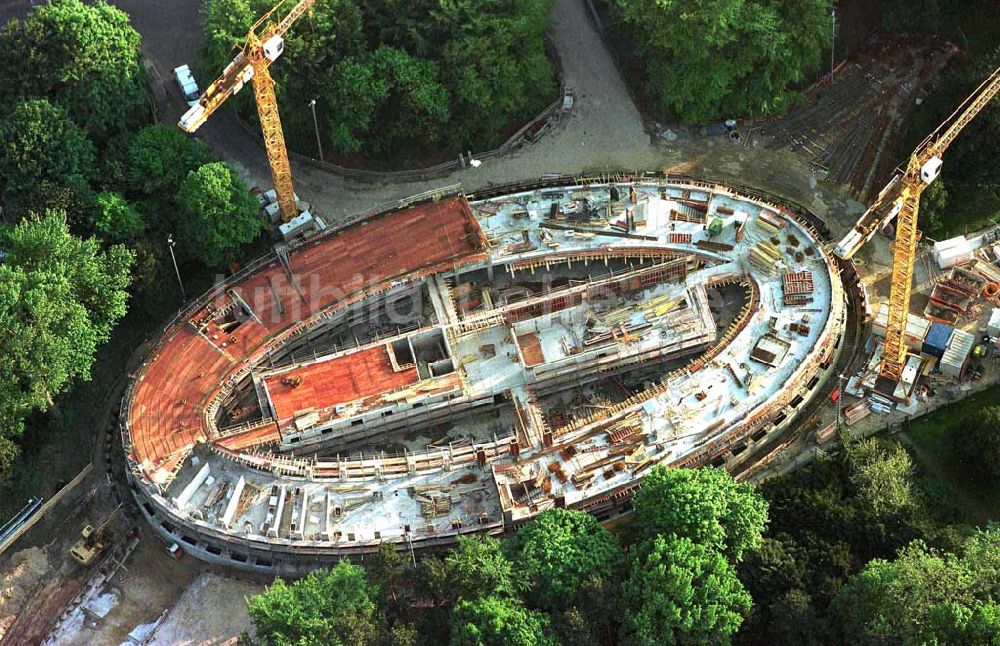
345	379
168	402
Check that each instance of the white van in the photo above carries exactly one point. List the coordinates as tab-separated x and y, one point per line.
186	82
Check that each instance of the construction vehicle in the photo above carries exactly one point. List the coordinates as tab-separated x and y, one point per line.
900	199
264	44
93	541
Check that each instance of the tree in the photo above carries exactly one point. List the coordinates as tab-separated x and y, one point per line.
498	621
712	59
479	567
934	206
883	476
331	607
495	68
8	455
60	296
979	443
924	596
681	592
41	148
158	160
705	505
417	104
219	214
115	219
920	16
391	75
559	550
571	563
83	57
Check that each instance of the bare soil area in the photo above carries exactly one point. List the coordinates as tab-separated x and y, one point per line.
211	612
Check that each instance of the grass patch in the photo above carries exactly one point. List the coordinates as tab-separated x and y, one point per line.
932	439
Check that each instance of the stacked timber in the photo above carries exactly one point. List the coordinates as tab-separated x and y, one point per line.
856	412
765	256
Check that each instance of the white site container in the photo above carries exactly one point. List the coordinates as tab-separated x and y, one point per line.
954	251
916	327
993	327
300	225
955	356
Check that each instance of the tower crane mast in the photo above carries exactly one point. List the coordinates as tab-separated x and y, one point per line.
901	199
264	44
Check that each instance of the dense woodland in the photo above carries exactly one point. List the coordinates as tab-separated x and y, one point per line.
708	60
398	78
854	549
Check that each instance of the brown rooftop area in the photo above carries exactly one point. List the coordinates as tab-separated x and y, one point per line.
348	378
167	414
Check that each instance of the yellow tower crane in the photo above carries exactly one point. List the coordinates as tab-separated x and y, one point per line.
264	44
901	199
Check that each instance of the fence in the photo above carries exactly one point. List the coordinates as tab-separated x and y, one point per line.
45	509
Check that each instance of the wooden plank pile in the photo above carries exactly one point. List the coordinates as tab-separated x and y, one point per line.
797	287
434	500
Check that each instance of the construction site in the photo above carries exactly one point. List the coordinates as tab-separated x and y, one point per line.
462	363
458	363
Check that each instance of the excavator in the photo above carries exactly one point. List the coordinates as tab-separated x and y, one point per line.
264	44
93	540
900	199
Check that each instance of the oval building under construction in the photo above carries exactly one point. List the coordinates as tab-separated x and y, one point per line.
457	364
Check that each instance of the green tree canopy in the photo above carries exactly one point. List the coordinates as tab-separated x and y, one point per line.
705	505
478	566
979	443
681	592
332	607
8	454
158	159
572	564
713	59
498	621
882	476
219	214
84	57
60	296
559	551
117	220
924	596
40	149
916	16
933	207
388	75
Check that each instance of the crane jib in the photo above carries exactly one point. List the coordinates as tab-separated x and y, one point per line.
900	199
250	66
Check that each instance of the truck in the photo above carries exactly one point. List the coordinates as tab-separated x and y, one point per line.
189	88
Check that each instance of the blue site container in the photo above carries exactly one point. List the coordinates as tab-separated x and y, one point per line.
937	339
